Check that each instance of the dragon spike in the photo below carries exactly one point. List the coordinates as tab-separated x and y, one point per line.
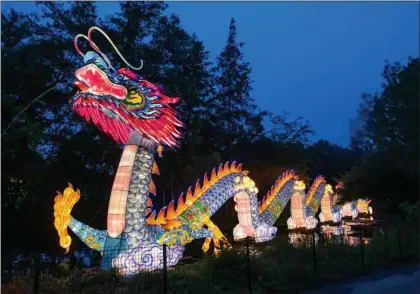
171	210
155	169
213	176
148	210
70	185
239	167
161	216
151	220
219	171
159	150
149	202
181	204
190	198
233	166
152	187
245	172
197	189
226	168
205	181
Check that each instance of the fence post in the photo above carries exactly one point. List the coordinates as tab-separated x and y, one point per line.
249	265
165	271
314	251
37	272
362	251
399	242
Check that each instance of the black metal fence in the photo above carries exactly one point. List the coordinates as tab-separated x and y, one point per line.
288	263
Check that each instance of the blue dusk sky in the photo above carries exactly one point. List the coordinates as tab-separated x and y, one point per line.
310	59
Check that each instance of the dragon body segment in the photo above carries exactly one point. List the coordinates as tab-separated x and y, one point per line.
304	208
330	212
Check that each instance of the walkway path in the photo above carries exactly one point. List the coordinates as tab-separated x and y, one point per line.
403	280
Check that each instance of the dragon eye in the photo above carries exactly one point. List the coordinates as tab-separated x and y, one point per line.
134	100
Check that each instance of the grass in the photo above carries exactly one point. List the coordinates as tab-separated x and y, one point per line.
274	267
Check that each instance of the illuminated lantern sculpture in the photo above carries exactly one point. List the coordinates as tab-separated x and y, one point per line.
350	210
137	115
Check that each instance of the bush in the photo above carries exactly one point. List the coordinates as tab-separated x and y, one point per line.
275	267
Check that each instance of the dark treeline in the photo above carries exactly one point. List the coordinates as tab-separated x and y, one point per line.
47	145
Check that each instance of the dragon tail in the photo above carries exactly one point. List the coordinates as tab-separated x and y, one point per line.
63	204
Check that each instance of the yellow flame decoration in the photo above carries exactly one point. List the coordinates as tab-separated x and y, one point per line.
167	216
63	204
288	175
329	189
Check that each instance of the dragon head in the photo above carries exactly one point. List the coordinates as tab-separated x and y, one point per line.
363	205
339	186
121	103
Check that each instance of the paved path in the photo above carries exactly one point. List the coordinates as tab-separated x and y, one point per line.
404	280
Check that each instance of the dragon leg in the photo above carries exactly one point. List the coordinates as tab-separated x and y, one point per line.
93	238
206	245
217	237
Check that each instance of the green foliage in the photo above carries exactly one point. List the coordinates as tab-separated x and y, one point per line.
276	266
389	136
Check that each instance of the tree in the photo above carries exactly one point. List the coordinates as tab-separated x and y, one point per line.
233	109
389	170
358	139
330	161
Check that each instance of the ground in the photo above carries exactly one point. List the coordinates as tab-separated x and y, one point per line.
404	280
